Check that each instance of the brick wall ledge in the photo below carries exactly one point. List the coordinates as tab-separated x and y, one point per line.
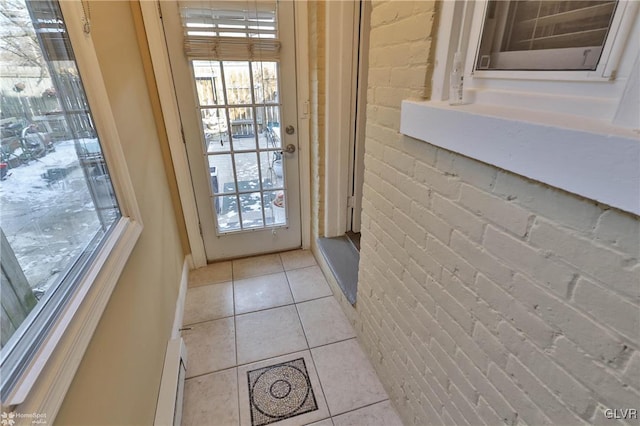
586	157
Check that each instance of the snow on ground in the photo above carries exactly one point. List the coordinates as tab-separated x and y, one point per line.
26	181
48	224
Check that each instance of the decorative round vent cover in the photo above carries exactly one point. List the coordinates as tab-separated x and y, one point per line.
279	392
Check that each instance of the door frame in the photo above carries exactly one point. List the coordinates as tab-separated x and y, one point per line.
344	129
169	103
362	26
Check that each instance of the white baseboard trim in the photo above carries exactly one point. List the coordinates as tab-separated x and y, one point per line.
182	295
171	396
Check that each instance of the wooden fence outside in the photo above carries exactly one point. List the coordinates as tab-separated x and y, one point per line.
16	297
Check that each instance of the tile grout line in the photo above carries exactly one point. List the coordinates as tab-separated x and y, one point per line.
315	367
293	298
333	343
222	370
324	395
237	366
235	342
330	416
304	333
257	310
275	356
268	273
261	276
308	348
364	406
234	316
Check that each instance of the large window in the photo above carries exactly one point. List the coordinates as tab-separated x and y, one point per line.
58	204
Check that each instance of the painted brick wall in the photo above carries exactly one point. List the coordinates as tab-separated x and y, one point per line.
485	297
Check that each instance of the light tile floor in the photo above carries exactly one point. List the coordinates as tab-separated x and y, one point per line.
246	314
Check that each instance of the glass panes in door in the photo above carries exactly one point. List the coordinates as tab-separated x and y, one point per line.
240	111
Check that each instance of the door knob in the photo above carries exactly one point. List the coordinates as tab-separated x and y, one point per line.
290	129
291	148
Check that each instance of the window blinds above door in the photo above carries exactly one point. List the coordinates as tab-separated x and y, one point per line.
231	30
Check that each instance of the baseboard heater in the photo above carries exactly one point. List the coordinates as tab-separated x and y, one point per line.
169	409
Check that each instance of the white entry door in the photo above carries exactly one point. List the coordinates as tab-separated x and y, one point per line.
233	65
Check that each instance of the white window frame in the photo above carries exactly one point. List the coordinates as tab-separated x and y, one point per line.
49	373
565	92
572	130
608	63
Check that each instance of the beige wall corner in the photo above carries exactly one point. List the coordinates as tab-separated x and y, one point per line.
154	98
119	377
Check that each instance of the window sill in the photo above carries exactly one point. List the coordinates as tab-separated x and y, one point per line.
593	159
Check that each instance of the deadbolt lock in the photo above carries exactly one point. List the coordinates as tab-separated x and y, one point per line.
290	129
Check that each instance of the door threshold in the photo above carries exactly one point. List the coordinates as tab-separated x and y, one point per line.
343	260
